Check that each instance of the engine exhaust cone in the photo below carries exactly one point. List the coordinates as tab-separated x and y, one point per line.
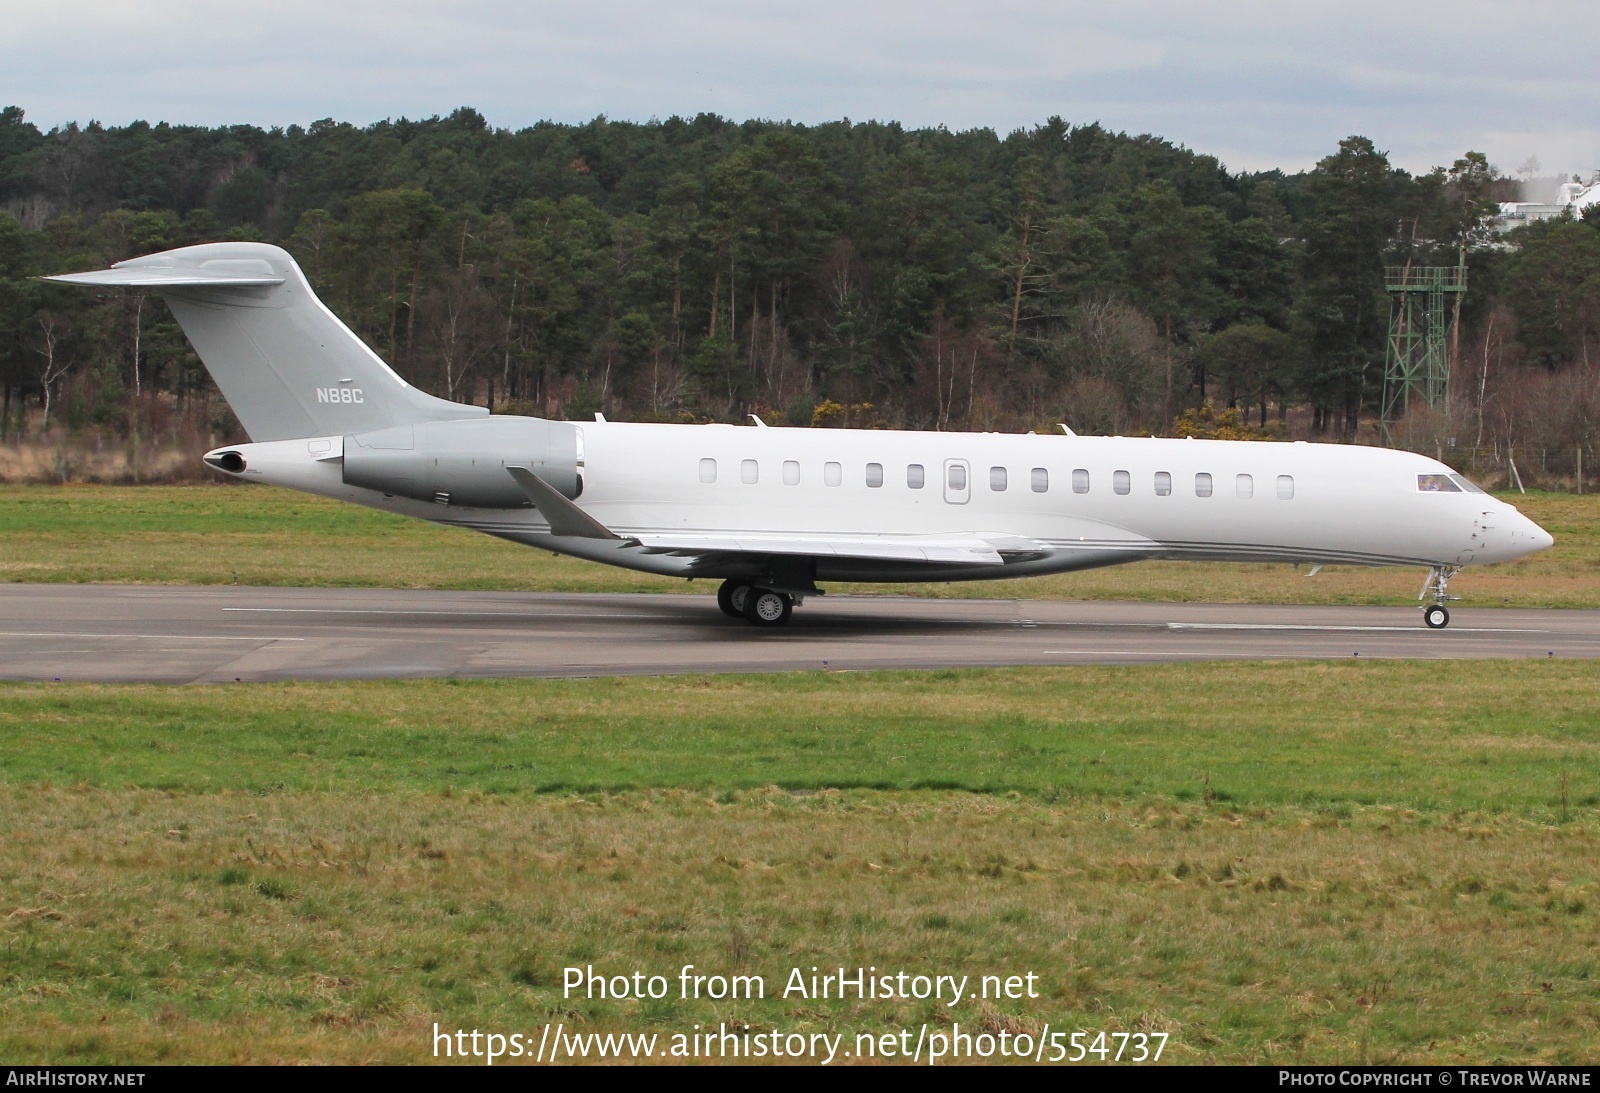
232	462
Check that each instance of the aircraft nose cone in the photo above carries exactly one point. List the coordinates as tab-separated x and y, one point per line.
1542	539
1530	538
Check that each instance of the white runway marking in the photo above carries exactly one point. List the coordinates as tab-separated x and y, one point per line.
1365	629
142	637
531	614
1098	653
1156	653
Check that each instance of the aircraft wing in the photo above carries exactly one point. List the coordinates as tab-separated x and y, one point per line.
979	549
973	550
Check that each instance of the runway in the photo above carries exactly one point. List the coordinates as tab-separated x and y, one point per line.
119	633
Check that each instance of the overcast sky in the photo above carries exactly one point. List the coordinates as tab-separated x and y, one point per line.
1257	84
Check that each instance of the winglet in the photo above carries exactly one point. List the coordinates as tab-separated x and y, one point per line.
564	517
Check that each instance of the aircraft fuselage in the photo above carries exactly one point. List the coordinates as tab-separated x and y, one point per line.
1081	501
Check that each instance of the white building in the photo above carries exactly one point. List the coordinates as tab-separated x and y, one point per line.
1574	197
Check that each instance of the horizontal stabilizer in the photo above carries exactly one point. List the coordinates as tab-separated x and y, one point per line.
936	550
244	273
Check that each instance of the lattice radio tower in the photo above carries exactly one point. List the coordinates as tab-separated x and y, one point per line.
1417	366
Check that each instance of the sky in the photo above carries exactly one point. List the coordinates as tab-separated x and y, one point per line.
1258	85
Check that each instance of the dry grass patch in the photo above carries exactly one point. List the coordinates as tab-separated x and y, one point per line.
144	926
1345	862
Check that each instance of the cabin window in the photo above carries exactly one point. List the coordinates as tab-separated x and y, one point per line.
749	472
791	473
708	470
1121	482
1163	484
1286	487
958	476
832	474
1436	483
1041	480
915	476
874	475
1244	486
1080	481
997	479
1202	485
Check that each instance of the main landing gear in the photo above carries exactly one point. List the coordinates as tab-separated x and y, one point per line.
1436	616
759	606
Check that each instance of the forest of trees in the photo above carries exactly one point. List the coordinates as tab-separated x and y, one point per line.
847	273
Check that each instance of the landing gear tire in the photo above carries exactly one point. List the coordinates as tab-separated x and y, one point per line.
1436	616
731	598
764	607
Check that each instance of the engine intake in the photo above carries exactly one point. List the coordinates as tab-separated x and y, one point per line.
464	462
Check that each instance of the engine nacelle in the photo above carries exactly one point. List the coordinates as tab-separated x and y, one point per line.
464	462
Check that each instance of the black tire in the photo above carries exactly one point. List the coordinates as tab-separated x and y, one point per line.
731	598
764	607
1436	617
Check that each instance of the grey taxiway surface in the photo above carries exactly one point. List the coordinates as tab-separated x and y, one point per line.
114	633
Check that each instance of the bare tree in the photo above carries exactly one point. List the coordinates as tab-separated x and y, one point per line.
663	386
461	326
138	337
1114	341
950	364
55	365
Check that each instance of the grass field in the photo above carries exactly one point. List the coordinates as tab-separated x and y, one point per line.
1277	862
260	535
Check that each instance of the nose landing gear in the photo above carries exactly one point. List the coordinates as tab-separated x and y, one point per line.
1436	616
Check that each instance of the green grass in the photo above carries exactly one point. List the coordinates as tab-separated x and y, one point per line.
260	535
338	928
1322	862
265	536
1420	737
1378	862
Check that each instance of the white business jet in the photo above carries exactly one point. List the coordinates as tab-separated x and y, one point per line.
773	512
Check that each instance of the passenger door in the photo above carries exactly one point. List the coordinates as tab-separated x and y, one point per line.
957	481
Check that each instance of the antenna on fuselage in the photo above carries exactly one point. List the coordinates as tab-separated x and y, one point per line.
1062	425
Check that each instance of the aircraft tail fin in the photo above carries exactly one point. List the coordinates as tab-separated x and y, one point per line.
286	364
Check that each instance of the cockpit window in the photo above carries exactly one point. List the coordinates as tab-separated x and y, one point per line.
1465	483
1437	483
